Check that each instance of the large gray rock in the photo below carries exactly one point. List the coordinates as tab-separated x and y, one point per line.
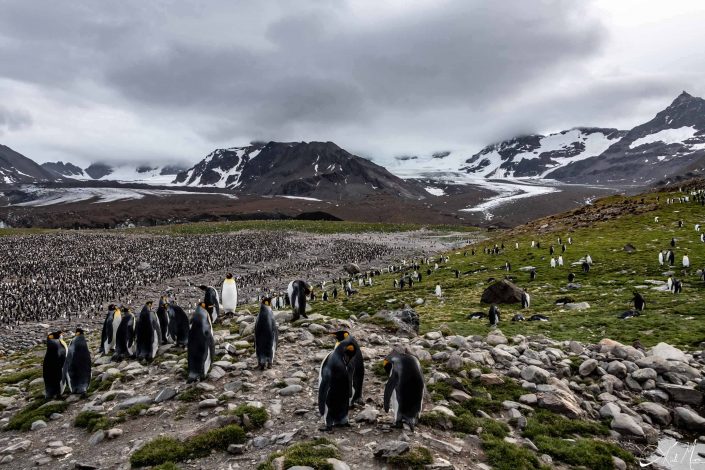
688	419
642	375
617	368
560	401
535	374
577	306
352	269
502	292
658	413
668	352
683	394
391	449
626	425
587	367
138	400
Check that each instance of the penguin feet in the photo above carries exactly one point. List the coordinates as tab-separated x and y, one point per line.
326	428
261	366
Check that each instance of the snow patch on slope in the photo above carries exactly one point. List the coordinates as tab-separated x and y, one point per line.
667	136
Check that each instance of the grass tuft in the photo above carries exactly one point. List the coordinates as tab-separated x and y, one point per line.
416	459
36	410
307	454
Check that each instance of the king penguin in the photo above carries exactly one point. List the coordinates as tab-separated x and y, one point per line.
212	301
110	327
163	317
178	324
77	368
404	390
297	292
639	302
125	340
53	365
358	365
266	335
229	294
525	299
335	385
493	315
147	333
201	346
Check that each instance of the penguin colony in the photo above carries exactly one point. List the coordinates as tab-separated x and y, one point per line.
73	276
341	375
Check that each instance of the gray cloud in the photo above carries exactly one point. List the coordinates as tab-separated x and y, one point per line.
13	119
378	79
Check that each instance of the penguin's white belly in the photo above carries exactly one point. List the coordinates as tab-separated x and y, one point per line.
394	404
207	362
155	344
229	296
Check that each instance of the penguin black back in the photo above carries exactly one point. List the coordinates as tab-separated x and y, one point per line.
639	302
335	385
212	301
404	391
266	334
53	365
357	363
125	339
148	334
178	325
77	368
493	315
297	292
201	345
163	317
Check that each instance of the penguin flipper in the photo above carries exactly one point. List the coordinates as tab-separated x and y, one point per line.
392	383
323	389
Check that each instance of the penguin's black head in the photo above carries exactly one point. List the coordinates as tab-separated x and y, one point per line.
79	331
341	335
111	307
55	335
148	304
267	301
203	288
229	276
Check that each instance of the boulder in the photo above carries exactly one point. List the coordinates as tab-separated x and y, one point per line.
535	374
683	394
658	413
688	419
626	425
668	352
502	292
577	306
352	269
587	367
560	401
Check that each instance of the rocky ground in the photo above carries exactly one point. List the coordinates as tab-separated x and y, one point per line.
519	402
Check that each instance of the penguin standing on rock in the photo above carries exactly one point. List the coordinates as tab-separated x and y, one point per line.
125	344
335	388
178	325
148	333
297	291
266	335
404	391
77	368
53	365
357	363
110	327
229	293
212	301
201	345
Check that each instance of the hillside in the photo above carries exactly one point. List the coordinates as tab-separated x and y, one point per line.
315	169
16	168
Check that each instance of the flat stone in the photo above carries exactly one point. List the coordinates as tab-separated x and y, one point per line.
642	375
491	379
208	403
368	415
576	306
560	401
290	390
391	449
37	425
113	433
59	451
97	437
338	464
138	400
656	412
236	449
165	394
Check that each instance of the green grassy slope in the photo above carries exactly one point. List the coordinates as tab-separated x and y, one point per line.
608	287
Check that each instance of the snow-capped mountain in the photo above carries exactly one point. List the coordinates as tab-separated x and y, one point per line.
16	168
128	173
309	169
538	155
671	144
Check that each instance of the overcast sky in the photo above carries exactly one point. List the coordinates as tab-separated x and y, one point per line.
169	81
